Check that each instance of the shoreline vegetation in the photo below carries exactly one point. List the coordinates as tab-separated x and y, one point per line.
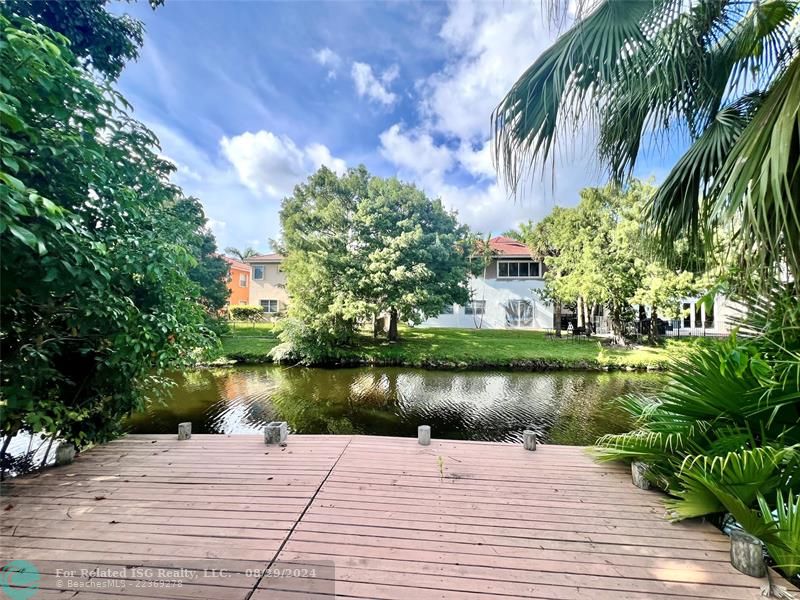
465	349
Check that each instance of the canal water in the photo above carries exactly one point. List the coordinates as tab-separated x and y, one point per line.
564	407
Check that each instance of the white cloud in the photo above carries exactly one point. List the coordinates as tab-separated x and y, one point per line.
370	86
492	43
328	58
448	153
415	152
271	165
390	74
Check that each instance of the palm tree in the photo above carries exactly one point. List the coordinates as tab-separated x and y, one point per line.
725	75
241	254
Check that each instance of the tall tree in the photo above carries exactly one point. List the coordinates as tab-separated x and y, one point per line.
100	39
95	297
414	254
358	246
725	73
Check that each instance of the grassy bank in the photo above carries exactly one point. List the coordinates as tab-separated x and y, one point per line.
468	348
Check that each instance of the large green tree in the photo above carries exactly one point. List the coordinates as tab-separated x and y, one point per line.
414	254
724	74
95	294
359	246
98	38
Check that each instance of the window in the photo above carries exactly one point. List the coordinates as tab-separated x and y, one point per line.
269	306
476	307
521	269
708	322
258	272
687	315
697	316
519	313
242	302
242	280
447	309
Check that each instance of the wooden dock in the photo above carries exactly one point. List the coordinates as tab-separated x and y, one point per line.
453	520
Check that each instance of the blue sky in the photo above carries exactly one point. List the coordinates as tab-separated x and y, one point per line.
248	98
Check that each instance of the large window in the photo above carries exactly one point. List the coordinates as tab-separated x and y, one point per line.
258	272
687	314
242	280
518	269
519	313
447	309
476	307
269	306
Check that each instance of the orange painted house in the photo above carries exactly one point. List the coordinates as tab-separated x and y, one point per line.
238	282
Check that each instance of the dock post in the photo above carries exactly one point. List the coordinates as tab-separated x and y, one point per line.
276	432
639	475
424	435
747	554
65	453
184	430
529	439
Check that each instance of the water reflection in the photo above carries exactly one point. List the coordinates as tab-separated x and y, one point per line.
565	407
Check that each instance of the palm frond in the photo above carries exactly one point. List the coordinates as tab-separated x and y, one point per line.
787	518
760	180
552	92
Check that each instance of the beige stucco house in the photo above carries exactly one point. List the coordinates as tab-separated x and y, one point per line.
268	283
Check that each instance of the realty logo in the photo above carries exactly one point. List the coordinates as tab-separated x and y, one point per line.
19	580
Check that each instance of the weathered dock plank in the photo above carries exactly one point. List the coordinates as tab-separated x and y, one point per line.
452	520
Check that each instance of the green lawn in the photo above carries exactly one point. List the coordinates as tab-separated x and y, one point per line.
469	348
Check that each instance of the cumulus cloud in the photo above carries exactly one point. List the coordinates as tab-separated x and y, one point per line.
270	165
415	152
448	153
328	58
492	43
370	86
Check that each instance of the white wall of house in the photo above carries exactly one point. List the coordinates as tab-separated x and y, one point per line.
271	286
505	299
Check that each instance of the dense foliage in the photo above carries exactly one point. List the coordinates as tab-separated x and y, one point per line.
359	247
723	436
725	75
98	38
97	247
597	255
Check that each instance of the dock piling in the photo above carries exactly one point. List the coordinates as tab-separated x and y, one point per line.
276	432
184	430
747	554
65	453
529	439
424	435
639	475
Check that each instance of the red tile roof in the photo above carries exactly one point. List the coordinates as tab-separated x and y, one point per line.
506	246
236	264
265	258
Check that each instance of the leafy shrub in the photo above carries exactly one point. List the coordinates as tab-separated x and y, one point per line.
724	435
244	312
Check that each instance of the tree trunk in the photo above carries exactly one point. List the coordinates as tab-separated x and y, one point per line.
617	328
579	310
654	325
375	325
592	315
393	324
557	318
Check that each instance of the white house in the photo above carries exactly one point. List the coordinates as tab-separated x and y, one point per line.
505	295
268	283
